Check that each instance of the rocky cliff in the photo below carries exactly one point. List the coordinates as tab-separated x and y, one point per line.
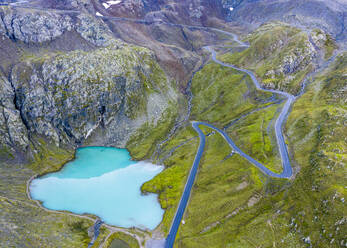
13	132
282	56
100	96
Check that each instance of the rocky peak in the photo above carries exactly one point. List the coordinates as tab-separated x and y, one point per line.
33	27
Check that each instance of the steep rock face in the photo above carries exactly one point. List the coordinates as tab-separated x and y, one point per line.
67	97
282	55
13	133
298	58
102	95
30	27
64	4
93	30
46	26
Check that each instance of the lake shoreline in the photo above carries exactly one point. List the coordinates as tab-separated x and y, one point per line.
114	167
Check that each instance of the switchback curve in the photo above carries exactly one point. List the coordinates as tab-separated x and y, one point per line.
287	169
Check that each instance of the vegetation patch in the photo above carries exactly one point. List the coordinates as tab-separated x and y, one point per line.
22	222
129	241
280	55
142	144
170	183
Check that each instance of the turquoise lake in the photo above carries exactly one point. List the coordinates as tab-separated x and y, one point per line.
102	181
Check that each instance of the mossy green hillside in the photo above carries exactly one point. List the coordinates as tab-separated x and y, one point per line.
47	157
222	94
142	144
281	55
316	134
228	206
179	152
271	212
276	212
130	241
254	134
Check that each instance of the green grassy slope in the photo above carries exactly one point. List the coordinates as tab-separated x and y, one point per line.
308	210
282	55
232	203
317	136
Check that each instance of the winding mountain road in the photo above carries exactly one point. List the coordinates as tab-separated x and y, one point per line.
287	169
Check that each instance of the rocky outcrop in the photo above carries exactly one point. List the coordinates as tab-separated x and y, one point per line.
31	27
96	96
13	133
70	97
298	58
38	27
281	56
64	4
99	96
93	30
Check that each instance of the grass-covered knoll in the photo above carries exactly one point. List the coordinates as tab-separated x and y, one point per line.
129	241
281	55
222	94
254	134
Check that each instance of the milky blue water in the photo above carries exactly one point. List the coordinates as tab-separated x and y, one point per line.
105	182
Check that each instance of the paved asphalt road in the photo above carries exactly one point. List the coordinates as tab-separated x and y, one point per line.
287	169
